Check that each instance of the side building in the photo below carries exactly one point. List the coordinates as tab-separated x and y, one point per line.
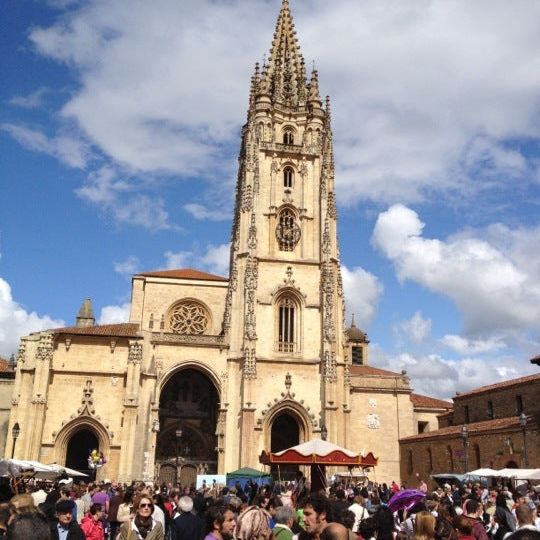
494	426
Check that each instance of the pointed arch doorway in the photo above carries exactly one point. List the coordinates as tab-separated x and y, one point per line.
79	447
284	433
188	412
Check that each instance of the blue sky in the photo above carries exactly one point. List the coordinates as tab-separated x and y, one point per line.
119	133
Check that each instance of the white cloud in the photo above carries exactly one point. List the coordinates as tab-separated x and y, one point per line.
178	259
466	346
198	211
416	329
115	195
491	288
69	150
214	259
129	266
30	101
114	314
362	293
434	375
16	321
438	92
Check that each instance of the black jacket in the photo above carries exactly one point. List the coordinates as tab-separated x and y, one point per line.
74	531
186	526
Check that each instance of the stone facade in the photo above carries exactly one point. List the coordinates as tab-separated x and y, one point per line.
210	371
495	438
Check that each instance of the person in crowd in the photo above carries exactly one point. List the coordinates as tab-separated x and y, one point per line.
367	528
219	523
504	518
92	525
142	526
186	525
125	510
114	503
64	527
160	512
444	527
284	521
525	520
340	503
31	525
253	524
385	527
347	518
424	526
463	527
335	531
317	514
359	510
473	510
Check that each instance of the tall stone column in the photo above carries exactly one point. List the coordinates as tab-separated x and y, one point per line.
131	410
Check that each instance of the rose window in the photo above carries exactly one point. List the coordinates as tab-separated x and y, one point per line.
189	318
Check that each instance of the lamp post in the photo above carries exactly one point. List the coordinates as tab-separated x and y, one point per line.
523	424
15	432
465	437
178	434
324	432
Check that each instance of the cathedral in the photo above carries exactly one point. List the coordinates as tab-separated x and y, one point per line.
210	370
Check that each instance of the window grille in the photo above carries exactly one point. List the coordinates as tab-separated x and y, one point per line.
286	326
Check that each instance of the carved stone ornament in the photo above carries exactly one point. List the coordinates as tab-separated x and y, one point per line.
252	234
373	421
330	366
67	343
135	352
21	353
87	402
189	317
327	287
247	200
347	375
332	209
326	239
250	285
249	369
45	348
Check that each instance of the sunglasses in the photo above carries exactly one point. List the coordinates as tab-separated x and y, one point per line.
146	505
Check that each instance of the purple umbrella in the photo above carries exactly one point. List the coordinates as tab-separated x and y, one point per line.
405	498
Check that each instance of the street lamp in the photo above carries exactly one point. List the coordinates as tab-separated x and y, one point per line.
465	437
178	434
523	424
324	432
15	432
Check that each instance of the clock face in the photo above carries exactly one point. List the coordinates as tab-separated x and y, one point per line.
288	233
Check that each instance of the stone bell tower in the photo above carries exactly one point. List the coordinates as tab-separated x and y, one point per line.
284	306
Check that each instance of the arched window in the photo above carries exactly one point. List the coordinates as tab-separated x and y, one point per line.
477	456
430	459
450	458
288	137
288	177
287	324
287	231
409	461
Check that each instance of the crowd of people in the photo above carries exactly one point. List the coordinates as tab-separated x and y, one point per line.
282	511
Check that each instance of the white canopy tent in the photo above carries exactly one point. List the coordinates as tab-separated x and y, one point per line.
17	467
518	474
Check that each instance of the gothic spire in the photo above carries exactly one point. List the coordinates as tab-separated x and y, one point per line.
284	74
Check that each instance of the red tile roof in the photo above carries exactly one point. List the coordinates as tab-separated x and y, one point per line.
113	330
5	365
184	273
370	370
474	429
426	402
499	386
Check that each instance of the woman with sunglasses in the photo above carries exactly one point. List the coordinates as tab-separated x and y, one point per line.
142	526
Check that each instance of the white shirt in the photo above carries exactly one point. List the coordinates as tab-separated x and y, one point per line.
159	516
360	513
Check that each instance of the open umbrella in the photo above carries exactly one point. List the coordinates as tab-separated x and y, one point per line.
405	498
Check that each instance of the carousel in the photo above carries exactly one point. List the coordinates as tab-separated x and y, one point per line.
319	454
